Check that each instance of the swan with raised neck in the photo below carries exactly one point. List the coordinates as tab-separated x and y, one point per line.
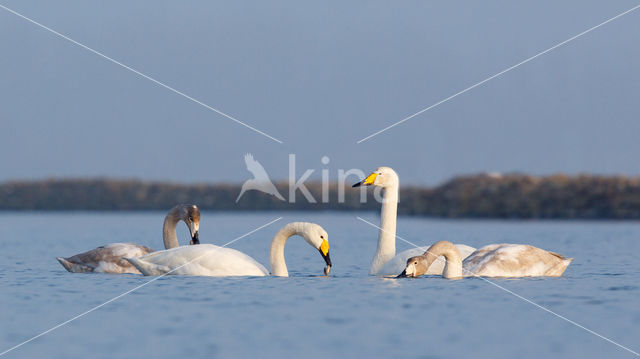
386	178
385	261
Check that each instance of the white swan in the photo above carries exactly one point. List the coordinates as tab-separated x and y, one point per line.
211	260
494	260
109	258
385	261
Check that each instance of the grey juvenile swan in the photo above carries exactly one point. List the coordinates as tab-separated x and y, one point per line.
494	260
110	258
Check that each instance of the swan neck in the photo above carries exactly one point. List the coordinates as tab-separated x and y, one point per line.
169	234
276	253
452	257
387	235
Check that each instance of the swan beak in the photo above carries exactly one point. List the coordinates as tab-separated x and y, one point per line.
403	274
195	238
327	260
194	226
367	181
324	252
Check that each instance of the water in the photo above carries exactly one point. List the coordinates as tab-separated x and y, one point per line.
349	314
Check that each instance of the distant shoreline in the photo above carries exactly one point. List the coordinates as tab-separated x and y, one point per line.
509	196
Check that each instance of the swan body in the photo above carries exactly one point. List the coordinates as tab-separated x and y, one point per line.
515	260
203	260
110	258
210	260
494	260
385	261
106	259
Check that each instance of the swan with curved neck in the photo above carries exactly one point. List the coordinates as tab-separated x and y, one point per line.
110	258
385	261
190	215
212	260
494	260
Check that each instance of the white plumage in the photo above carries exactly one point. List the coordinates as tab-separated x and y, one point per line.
203	259
212	260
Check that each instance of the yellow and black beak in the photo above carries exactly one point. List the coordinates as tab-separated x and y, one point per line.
324	252
367	181
327	258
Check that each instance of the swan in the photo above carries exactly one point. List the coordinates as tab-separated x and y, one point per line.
215	261
494	260
385	261
109	258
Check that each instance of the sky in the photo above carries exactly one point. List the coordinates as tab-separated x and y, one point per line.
319	76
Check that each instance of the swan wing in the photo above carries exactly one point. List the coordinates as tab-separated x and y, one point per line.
514	260
106	259
200	260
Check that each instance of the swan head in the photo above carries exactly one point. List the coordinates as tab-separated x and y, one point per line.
190	214
416	266
381	177
317	237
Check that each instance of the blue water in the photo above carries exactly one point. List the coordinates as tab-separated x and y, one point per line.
348	314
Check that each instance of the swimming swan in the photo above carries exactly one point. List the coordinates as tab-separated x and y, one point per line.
385	261
109	258
211	260
494	260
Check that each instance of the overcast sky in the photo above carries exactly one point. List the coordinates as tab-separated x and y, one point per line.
319	76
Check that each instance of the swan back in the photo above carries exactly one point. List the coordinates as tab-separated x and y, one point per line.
515	260
202	260
106	259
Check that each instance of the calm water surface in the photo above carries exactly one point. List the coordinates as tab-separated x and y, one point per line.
348	314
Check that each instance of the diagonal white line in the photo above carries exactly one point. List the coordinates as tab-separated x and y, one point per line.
128	292
556	314
519	296
496	75
141	74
